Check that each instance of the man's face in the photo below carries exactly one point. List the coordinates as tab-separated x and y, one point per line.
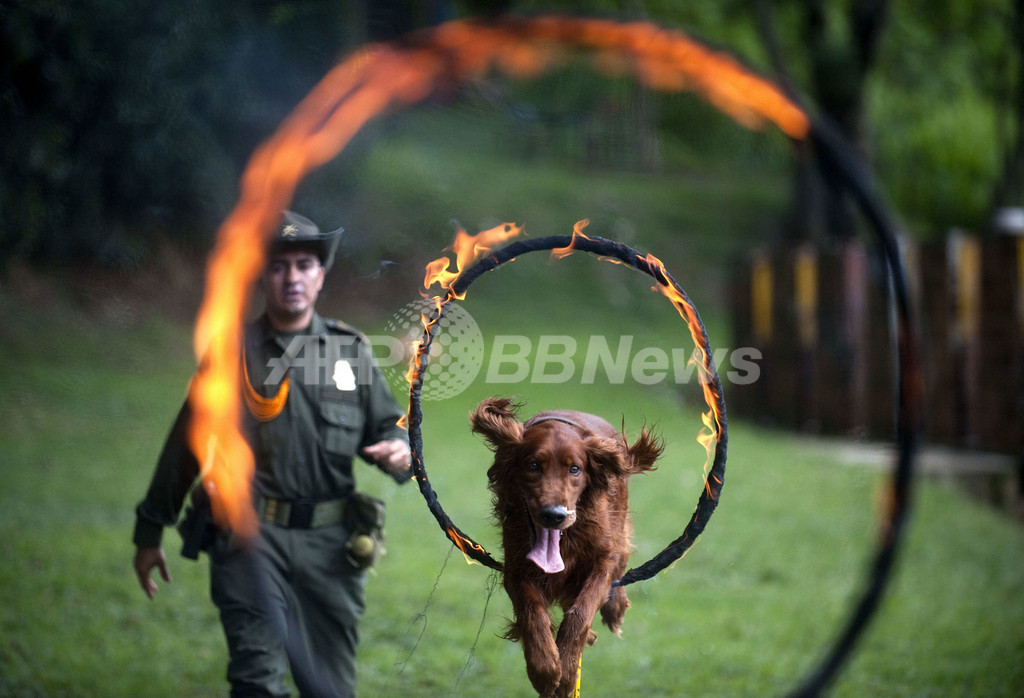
292	282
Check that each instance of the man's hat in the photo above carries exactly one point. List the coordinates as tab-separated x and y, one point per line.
298	231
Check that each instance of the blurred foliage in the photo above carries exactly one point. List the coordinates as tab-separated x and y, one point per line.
124	120
943	110
940	178
943	101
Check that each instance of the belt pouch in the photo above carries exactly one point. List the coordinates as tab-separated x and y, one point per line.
364	518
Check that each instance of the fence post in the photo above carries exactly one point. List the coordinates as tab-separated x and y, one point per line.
787	389
842	351
1000	348
744	398
805	309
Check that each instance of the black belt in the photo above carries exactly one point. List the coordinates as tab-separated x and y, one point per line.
300	513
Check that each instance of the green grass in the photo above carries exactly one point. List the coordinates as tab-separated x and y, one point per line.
746	612
435	166
86	399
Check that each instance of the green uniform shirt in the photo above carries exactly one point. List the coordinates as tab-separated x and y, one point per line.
338	403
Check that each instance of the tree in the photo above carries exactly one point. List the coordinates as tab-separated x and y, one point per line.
825	49
125	118
1009	190
842	45
945	110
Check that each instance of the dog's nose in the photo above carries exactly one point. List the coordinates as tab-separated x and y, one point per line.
553	516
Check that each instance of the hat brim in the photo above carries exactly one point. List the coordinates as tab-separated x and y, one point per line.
324	245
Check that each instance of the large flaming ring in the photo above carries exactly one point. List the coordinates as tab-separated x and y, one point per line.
405	73
715	420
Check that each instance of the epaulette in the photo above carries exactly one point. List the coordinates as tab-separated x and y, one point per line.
344	328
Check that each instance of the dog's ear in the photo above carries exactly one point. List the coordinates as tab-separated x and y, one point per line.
495	419
645	451
607	459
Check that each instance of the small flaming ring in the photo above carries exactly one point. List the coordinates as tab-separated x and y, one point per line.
647	264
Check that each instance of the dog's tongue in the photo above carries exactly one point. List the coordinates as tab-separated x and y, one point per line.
545	551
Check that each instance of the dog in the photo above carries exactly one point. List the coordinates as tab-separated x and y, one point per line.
560	494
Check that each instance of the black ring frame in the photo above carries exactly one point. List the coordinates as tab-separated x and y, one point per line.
715	475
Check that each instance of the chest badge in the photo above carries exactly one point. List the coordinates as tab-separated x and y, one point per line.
343	376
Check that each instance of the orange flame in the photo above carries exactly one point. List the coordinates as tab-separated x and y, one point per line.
660	58
577	233
373	79
420	350
410	372
468	249
462	544
712	419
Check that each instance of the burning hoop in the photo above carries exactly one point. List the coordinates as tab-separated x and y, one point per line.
715	438
400	74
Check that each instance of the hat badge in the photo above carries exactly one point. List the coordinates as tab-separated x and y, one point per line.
290	231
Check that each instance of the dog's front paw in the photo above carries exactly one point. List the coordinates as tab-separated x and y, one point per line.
614	610
567	686
544	672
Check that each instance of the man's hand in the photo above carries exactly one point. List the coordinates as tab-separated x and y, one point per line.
392	455
145	560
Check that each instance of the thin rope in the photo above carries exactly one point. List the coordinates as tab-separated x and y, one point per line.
492	583
399	666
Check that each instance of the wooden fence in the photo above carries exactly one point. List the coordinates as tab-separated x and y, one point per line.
823	323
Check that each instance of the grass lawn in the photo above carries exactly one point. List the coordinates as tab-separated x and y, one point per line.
85	405
86	399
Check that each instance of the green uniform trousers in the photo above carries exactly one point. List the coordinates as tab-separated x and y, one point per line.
293	600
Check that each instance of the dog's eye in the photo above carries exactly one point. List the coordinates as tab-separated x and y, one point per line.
574	469
532	466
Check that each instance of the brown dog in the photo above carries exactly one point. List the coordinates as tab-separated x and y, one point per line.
561	498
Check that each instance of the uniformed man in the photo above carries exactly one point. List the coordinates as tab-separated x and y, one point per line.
315	399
